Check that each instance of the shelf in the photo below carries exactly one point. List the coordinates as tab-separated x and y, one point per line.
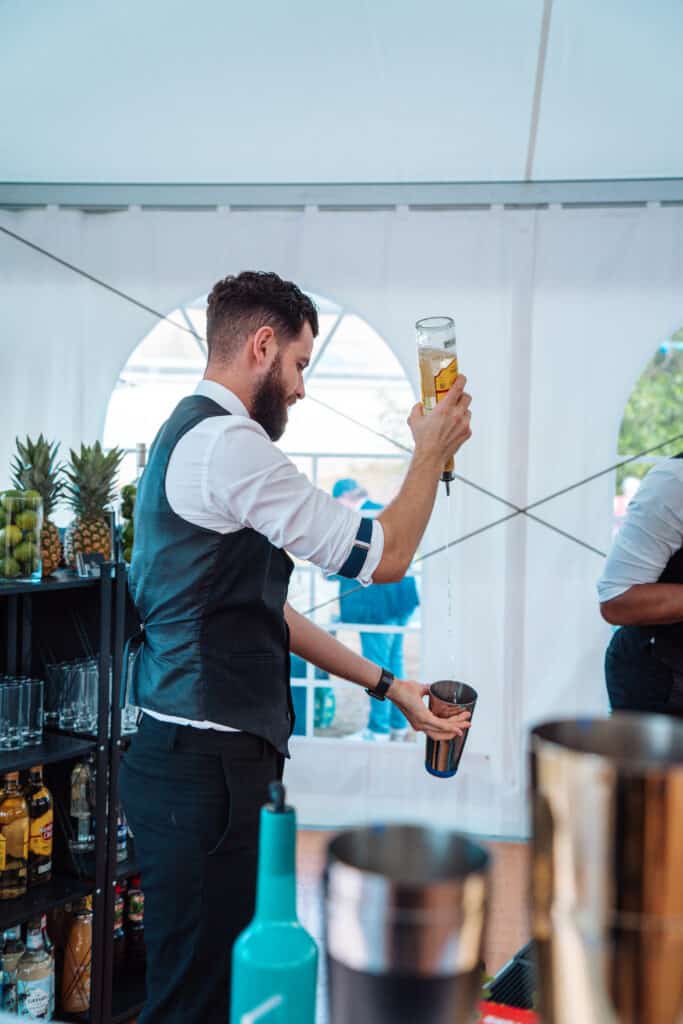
127	868
61	889
55	747
63	579
128	998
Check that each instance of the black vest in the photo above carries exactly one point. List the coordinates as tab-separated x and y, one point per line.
668	640
216	644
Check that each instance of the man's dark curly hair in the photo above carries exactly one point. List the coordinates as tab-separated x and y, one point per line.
240	304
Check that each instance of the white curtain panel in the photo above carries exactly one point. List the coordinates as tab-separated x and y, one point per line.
557	313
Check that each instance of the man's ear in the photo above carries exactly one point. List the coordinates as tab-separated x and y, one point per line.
263	345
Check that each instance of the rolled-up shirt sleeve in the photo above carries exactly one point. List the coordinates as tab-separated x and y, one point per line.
651	533
248	478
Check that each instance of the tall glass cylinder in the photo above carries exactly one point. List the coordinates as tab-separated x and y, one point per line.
438	360
21	523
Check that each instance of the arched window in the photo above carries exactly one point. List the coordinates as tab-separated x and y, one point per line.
654	413
356	392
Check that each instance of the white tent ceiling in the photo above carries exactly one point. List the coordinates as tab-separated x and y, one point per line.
309	91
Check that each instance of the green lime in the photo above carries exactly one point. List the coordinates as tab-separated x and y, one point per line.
3	517
10	536
9	568
128	553
27	520
33	499
25	552
127	534
9	495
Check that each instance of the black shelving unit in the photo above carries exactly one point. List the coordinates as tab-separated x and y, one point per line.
54	748
54	620
122	998
128	998
126	868
60	890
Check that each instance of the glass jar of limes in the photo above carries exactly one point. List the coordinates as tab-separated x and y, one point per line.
21	523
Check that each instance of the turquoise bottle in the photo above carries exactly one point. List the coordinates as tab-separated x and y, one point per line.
275	960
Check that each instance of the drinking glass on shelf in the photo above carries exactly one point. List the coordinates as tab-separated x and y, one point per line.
24	697
85	693
129	719
4	721
52	693
10	715
33	698
129	712
67	690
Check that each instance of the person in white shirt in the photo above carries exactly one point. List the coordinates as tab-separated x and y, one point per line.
218	510
641	591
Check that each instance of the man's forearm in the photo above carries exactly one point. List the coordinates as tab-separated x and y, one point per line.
405	519
317	646
646	604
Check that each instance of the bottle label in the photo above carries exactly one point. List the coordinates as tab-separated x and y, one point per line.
122	834
9	991
445	379
40	842
136	905
33	998
118	913
16	837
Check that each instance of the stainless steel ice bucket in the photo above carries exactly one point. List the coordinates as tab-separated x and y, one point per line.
607	869
405	913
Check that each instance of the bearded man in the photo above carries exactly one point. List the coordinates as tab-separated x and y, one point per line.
218	508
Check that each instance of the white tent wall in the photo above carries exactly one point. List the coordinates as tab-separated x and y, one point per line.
557	310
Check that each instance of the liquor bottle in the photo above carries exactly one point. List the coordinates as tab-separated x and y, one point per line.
140	460
14	829
128	495
78	961
136	954
121	836
41	823
50	948
438	361
275	955
82	805
35	976
12	952
119	931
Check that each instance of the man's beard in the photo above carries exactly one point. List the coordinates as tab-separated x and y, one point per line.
269	405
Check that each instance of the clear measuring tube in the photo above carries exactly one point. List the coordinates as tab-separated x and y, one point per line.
438	360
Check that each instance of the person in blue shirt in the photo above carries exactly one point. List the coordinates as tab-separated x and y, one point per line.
381	604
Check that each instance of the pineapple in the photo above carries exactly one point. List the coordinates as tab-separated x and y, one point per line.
91	487
35	468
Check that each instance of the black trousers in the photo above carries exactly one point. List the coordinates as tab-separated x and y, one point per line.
193	800
637	680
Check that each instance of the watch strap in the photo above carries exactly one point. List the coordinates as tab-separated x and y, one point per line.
385	681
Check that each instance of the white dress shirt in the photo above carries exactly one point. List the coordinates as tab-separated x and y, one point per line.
651	532
226	474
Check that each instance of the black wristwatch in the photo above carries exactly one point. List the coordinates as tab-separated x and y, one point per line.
385	681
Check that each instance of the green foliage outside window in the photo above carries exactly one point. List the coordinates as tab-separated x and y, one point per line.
655	409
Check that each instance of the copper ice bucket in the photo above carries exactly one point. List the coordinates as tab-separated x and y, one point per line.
607	869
